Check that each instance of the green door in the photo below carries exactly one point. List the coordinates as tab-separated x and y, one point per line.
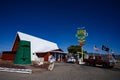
23	53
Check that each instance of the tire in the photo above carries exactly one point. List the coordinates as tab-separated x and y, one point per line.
105	65
111	66
93	65
87	63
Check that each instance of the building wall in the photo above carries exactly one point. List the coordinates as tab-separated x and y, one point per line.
8	55
45	55
15	46
58	56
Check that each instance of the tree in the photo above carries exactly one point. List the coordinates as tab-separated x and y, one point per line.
76	49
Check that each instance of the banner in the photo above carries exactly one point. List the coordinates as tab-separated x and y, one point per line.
105	48
96	48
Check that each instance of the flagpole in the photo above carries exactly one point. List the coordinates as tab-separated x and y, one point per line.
108	50
93	50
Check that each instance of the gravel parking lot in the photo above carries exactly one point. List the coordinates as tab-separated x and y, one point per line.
65	71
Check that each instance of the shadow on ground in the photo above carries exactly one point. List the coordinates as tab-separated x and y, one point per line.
116	68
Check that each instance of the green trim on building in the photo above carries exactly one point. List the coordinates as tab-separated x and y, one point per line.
23	54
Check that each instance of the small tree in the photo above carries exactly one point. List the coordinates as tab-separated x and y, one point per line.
75	50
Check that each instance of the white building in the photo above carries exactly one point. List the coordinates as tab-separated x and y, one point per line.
37	44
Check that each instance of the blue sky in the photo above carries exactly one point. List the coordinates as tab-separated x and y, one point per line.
58	20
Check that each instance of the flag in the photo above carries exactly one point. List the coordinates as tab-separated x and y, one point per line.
96	48
105	48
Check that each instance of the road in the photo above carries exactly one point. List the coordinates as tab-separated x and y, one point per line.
65	71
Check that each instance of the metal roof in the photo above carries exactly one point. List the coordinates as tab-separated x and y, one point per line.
38	44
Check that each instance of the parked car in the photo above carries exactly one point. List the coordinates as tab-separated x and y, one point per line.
71	60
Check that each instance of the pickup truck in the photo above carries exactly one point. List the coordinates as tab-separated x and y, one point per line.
99	61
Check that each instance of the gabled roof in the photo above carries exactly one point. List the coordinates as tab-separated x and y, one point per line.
38	44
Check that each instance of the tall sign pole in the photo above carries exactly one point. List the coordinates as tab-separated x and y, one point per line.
81	35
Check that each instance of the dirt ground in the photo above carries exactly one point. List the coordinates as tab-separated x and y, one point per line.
66	71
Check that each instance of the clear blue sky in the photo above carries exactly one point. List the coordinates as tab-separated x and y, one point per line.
58	20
